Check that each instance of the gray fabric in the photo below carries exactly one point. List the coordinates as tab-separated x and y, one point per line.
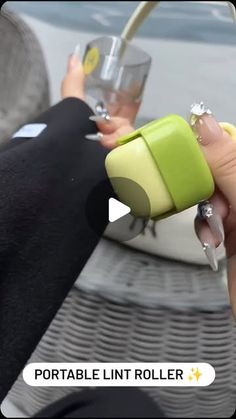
23	75
130	306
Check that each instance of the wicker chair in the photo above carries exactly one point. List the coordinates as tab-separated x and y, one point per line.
134	307
23	75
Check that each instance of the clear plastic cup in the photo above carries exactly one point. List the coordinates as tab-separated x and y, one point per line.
116	71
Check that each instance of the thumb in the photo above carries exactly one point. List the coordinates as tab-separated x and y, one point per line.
73	84
75	67
219	149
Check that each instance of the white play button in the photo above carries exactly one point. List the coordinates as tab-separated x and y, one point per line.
122	225
117	210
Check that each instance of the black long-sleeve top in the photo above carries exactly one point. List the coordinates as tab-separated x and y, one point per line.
45	236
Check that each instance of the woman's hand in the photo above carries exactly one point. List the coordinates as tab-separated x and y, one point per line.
114	129
122	117
220	152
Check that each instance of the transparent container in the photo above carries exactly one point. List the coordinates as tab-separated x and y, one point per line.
116	71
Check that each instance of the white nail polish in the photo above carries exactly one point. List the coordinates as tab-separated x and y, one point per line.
77	50
94	137
100	118
210	253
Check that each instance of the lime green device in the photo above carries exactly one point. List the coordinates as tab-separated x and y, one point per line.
166	160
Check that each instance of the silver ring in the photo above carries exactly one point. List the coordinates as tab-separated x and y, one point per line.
204	210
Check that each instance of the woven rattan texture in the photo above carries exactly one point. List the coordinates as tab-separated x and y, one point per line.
130	306
23	76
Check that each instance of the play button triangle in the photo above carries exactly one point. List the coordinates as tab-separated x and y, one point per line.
117	210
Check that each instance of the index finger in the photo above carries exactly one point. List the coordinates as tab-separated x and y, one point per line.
115	123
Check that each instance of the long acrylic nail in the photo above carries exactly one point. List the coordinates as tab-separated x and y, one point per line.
210	252
100	118
73	59
77	51
94	137
207	241
207	212
204	124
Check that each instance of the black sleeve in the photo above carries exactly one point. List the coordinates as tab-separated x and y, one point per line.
105	402
45	236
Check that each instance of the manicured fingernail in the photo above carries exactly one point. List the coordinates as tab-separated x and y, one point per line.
74	57
100	118
208	243
204	124
210	252
94	137
77	51
207	212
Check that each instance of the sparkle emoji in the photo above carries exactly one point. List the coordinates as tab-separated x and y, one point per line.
195	373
